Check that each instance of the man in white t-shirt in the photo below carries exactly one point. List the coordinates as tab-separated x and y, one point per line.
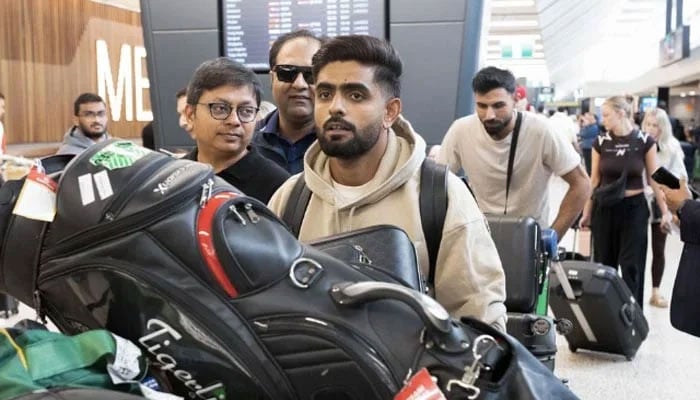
480	144
564	125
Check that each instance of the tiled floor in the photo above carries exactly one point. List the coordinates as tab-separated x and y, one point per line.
667	365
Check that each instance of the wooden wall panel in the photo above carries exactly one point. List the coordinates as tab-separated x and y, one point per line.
48	57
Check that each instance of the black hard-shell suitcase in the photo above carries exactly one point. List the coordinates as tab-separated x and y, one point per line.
605	315
573	255
537	333
519	244
9	306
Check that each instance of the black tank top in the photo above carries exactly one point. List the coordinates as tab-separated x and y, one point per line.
618	153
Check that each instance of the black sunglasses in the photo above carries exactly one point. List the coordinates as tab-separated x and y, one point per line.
289	73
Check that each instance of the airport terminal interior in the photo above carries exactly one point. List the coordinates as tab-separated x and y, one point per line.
580	88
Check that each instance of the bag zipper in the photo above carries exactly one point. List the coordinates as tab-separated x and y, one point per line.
121	227
193	312
127	192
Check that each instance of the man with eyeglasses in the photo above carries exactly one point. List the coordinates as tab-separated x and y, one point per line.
223	98
285	134
90	124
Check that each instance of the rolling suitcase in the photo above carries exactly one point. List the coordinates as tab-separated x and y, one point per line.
606	316
519	244
574	255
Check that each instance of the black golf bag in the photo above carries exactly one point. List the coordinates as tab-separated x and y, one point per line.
228	304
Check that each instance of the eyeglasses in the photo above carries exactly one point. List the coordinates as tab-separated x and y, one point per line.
289	73
92	114
221	111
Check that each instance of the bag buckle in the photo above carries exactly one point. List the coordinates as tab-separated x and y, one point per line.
482	345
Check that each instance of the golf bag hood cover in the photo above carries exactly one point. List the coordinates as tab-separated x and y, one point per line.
228	304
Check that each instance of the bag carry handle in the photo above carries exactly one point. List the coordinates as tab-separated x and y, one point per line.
434	316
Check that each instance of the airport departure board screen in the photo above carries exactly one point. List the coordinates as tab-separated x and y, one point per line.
250	26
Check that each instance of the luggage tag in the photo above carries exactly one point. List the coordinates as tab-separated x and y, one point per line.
420	387
37	198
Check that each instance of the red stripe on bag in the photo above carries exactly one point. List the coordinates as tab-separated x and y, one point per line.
205	221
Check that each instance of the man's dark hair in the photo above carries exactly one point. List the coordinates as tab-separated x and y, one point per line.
490	78
84	99
562	109
181	92
219	72
540	108
277	45
366	50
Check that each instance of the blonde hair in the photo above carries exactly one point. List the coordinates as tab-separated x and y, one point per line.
668	144
620	103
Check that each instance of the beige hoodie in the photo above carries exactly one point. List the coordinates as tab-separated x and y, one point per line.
469	279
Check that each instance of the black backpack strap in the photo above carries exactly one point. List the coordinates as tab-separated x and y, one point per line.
433	209
511	156
295	208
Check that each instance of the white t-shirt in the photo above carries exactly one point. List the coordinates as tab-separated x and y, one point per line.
540	153
349	194
564	125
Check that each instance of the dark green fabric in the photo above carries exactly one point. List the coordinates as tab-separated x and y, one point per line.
56	360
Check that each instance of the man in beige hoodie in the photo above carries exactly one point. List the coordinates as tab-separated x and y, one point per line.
365	170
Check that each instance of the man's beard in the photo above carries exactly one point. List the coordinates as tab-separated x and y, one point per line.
496	127
360	143
90	134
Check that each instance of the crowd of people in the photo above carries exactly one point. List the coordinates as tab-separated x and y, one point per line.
338	125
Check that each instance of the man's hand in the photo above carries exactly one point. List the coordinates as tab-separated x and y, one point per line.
676	197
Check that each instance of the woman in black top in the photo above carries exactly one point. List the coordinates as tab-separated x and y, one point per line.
619	224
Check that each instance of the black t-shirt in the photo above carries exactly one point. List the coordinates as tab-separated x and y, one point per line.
254	175
618	153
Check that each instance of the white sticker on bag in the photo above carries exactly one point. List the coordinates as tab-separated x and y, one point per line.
126	366
87	193
37	198
155	395
104	186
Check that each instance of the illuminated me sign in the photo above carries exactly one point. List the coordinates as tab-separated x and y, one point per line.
130	81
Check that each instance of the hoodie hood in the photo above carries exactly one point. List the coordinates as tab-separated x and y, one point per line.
404	154
75	141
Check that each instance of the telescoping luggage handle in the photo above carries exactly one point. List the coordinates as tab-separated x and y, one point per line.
550	240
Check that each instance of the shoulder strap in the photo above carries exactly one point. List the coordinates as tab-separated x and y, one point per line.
295	207
511	156
433	209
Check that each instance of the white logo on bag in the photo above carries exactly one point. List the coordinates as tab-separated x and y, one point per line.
162	338
164	186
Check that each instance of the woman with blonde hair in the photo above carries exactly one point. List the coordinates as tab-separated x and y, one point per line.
618	213
670	155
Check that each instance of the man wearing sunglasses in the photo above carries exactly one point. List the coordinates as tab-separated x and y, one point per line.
284	135
223	98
